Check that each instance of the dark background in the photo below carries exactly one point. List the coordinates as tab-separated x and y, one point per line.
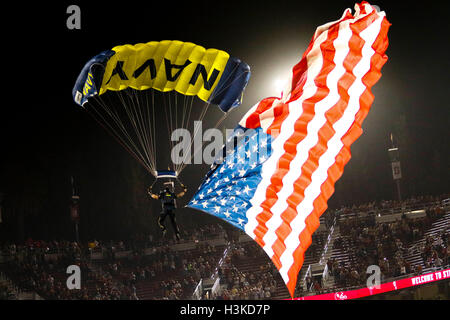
46	138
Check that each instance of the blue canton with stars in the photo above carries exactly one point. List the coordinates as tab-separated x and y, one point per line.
232	181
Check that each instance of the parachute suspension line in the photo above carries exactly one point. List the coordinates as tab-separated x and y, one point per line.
119	124
149	120
168	115
151	127
200	148
183	163
184	113
131	142
187	108
219	122
175	96
176	109
188	104
132	145
146	122
132	110
175	118
137	121
154	125
124	139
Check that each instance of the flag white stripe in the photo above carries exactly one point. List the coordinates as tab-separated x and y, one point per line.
369	35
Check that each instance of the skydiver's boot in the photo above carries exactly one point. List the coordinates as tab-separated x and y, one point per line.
161	226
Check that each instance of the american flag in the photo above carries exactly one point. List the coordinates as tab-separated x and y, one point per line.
276	178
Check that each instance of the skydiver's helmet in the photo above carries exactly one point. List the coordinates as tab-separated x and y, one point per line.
168	186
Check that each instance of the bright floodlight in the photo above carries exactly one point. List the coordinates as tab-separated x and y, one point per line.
278	84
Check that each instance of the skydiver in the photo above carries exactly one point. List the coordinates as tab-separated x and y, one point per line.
169	204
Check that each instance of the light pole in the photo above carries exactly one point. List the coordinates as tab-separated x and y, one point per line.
394	156
1	201
74	209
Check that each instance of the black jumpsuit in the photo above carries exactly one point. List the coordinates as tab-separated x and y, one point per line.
168	209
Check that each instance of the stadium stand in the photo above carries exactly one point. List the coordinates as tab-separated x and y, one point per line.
212	262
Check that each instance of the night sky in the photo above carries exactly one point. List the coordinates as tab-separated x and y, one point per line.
46	138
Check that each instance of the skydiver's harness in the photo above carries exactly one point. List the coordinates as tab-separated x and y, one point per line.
171	175
168	200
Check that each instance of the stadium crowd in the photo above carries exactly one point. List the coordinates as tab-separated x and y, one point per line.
385	244
385	207
183	268
32	271
247	272
240	283
40	266
6	293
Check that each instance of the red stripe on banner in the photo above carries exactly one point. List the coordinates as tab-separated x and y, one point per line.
280	113
254	121
300	74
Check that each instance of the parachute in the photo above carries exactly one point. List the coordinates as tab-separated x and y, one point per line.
130	89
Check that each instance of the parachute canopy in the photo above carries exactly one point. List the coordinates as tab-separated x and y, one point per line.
210	74
134	91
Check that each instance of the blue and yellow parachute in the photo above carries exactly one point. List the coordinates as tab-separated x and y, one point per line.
132	71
